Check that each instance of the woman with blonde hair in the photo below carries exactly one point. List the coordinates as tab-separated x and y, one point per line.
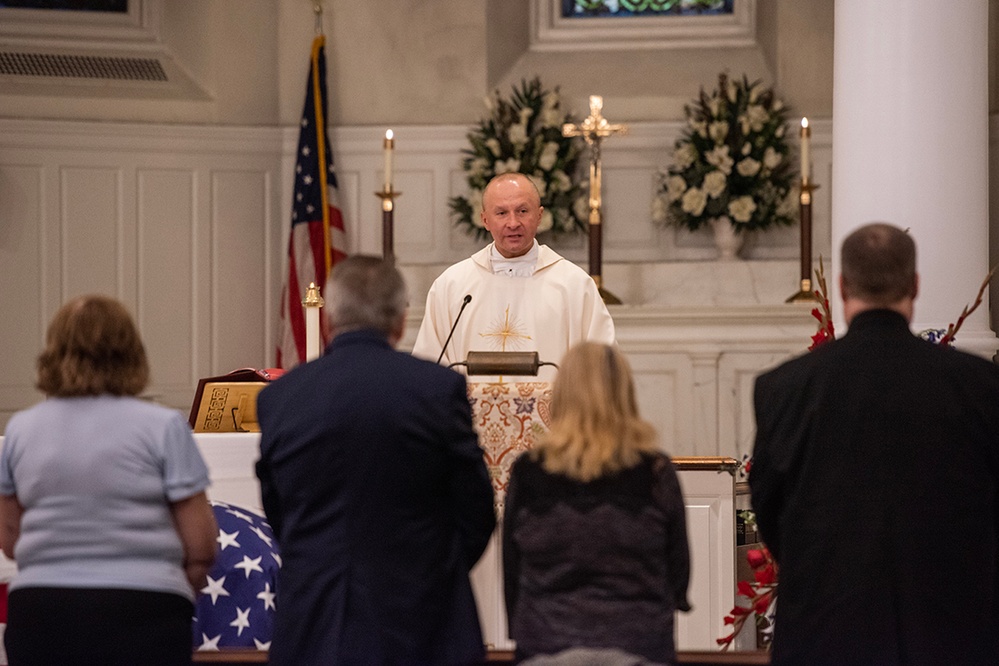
595	549
102	504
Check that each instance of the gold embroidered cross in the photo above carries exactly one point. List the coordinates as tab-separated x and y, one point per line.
507	330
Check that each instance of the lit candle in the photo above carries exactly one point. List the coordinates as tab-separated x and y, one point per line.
312	302
806	157
389	145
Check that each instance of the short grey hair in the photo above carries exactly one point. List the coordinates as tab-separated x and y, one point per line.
365	291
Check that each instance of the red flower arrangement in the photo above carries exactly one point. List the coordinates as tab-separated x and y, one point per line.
826	332
761	594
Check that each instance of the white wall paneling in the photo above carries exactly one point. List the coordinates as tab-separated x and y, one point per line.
177	222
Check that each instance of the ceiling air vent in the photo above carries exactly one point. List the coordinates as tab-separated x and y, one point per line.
81	66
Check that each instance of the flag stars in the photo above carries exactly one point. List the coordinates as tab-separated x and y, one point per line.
248	565
242	621
225	539
209	643
305	122
261	645
240	515
259	532
306	151
298	196
216	588
307	179
267	597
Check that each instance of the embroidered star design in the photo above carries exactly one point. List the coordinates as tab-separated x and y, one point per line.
249	565
242	620
277	558
216	588
262	646
507	331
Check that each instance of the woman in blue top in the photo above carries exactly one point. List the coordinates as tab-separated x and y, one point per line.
102	504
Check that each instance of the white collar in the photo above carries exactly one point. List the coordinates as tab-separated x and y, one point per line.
522	266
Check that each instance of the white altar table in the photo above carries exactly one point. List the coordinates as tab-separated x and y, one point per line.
709	496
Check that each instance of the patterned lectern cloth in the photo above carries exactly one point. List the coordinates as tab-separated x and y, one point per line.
509	417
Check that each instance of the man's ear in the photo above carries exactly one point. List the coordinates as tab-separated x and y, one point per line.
398	330
915	286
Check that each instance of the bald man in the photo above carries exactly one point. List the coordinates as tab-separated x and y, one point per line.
524	296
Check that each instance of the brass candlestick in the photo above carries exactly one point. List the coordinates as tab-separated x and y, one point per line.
387	196
805	292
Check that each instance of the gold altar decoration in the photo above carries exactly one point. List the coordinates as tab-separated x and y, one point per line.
594	129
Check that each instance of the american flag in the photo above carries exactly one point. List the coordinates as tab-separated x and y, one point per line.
317	232
236	608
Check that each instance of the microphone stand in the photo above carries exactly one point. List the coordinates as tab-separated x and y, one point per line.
464	302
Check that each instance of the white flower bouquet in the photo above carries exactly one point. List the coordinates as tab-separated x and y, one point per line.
731	161
524	133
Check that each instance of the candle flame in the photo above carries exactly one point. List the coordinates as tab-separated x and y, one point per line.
388	134
804	123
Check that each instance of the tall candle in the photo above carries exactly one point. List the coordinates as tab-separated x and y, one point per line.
806	157
311	334
312	302
389	145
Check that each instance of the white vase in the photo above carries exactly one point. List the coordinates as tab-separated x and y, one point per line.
727	239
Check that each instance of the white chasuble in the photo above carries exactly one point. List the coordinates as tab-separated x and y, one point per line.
548	312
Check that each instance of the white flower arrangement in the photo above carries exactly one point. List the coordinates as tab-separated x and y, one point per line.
524	133
731	161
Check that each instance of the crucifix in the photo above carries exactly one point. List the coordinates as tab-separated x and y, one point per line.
594	130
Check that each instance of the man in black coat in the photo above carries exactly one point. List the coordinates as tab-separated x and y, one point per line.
875	482
373	480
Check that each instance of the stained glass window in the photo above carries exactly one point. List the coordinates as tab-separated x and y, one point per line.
627	8
115	6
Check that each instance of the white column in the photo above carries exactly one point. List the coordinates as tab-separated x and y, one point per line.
910	145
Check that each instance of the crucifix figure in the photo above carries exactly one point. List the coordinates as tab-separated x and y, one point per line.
594	130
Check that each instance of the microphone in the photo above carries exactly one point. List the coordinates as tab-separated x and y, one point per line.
464	302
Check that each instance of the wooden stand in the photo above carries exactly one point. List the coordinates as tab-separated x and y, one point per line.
388	196
805	292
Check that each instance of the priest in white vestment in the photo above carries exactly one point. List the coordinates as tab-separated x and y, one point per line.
524	296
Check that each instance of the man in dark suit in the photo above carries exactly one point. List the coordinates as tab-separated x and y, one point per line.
875	482
373	480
